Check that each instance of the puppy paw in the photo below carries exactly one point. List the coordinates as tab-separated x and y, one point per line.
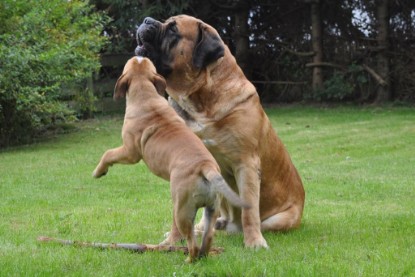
166	242
190	260
170	240
97	174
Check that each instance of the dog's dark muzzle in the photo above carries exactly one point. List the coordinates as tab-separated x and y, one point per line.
147	36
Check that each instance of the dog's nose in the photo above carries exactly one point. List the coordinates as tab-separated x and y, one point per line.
149	21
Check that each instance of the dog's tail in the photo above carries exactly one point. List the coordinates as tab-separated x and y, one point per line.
219	185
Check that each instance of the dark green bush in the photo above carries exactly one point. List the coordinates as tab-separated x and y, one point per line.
44	45
335	89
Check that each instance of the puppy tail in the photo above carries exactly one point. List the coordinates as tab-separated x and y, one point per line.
219	185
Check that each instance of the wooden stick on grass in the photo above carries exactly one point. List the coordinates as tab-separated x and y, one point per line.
134	247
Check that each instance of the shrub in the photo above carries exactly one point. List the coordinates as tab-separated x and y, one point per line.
44	44
335	89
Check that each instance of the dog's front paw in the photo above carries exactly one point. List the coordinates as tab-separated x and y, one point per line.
221	223
98	174
256	243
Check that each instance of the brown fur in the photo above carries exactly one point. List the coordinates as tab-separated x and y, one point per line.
223	108
152	131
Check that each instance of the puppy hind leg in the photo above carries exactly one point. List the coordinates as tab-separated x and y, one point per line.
210	215
185	226
173	236
226	215
184	214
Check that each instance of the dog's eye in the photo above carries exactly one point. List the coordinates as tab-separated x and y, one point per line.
172	28
172	36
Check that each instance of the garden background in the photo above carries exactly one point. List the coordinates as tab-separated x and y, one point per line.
337	78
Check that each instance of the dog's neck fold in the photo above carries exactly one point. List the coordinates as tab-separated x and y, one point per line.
139	93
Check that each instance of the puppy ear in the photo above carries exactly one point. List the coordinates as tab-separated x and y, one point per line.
160	84
121	87
208	49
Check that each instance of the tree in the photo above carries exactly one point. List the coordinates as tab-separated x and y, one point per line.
126	15
44	45
239	10
383	64
317	43
241	36
277	42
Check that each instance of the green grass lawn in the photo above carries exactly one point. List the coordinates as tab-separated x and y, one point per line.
358	169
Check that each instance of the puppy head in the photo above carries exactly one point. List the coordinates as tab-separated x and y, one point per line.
138	69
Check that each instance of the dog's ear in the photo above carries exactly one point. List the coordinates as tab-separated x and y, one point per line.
121	87
208	49
160	84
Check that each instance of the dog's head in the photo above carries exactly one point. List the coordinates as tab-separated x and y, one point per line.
140	70
182	43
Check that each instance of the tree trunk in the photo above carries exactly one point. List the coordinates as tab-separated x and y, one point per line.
144	3
317	43
241	36
382	14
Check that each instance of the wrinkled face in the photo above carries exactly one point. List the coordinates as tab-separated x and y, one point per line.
182	43
141	65
139	70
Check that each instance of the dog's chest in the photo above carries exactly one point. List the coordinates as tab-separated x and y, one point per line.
197	122
186	110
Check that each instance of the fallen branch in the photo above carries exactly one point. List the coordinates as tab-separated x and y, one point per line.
139	248
280	82
300	54
325	64
376	76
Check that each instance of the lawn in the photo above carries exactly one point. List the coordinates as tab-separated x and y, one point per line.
358	169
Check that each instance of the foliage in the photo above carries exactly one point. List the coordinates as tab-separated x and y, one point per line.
357	169
335	89
44	45
277	29
127	15
85	103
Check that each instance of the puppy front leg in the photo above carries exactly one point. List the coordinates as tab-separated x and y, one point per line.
116	155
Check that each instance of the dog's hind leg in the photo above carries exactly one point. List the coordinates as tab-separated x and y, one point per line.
173	236
185	219
184	211
221	222
210	215
283	221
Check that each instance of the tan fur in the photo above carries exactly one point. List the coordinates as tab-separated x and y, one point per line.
224	110
152	131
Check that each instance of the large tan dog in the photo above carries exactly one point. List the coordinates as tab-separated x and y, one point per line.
210	91
152	131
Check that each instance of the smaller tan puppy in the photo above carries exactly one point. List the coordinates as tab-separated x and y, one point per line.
152	131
